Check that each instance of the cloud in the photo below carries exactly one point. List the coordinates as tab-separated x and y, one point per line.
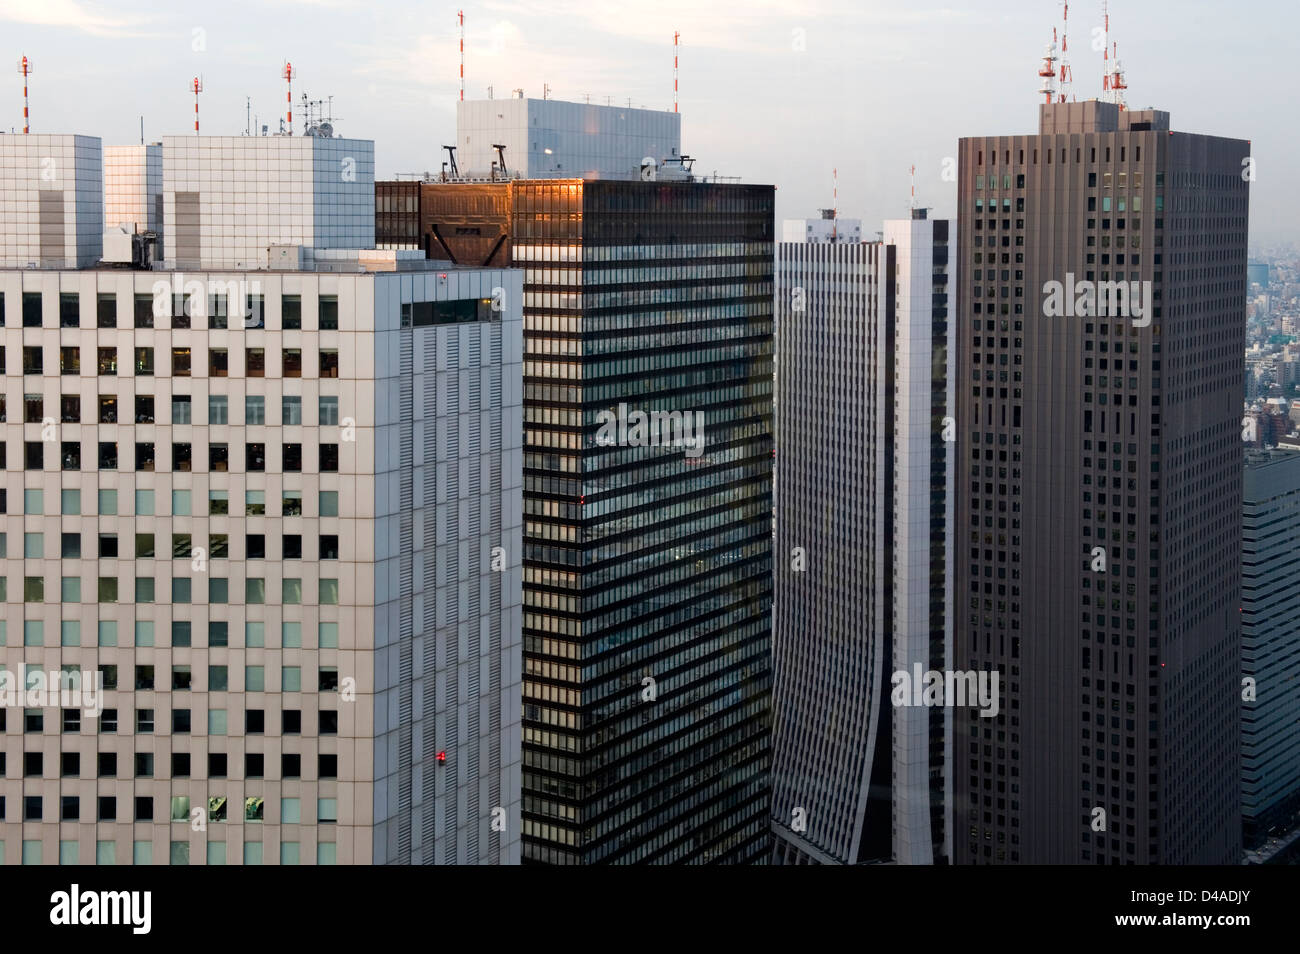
69	14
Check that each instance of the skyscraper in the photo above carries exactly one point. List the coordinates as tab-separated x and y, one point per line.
1270	645
278	514
1101	271
647	564
861	555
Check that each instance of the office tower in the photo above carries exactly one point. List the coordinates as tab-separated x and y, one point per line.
133	189
861	556
829	228
554	139
1099	430
647	568
289	544
53	214
228	200
1270	646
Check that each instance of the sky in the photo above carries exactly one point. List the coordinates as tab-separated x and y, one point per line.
773	92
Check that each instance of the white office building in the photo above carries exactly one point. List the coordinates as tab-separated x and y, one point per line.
553	139
228	201
862	546
290	546
51	201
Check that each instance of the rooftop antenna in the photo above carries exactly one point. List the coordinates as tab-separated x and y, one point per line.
546	91
501	155
1112	77
460	15
287	73
1047	72
1067	75
676	42
142	130
835	203
914	187
25	67
451	158
197	86
248	115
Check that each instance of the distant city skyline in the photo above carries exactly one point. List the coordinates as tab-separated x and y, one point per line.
762	86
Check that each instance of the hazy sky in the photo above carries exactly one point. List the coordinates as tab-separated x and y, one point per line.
779	92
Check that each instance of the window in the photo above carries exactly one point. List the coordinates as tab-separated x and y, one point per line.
144	502
144	311
292	457
182	458
291	503
218	363
218	679
106	311
69	310
71	546
70	502
329	722
107	360
292	591
291	312
144	361
218	633
218	409
291	722
218	502
217	311
180	362
70	360
144	413
70	455
291	679
108	409
328	679
255	457
144	457
33	360
219	461
181	683
255	362
329	458
181	409
291	363
255	590
328	312
107	590
254	721
255	502
254	679
144	720
329	411
291	409
144	681
31	309
255	546
107	804
33	408
329	363
181	633
254	409
107	461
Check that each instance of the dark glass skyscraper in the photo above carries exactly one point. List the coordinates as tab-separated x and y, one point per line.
1098	490
647	569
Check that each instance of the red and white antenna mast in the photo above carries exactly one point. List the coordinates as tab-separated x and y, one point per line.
676	38
197	87
460	14
1066	75
1047	72
913	187
1112	77
25	67
287	74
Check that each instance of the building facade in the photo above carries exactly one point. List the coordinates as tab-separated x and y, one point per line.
277	516
549	138
228	199
1270	646
861	555
52	213
1097	564
647	565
